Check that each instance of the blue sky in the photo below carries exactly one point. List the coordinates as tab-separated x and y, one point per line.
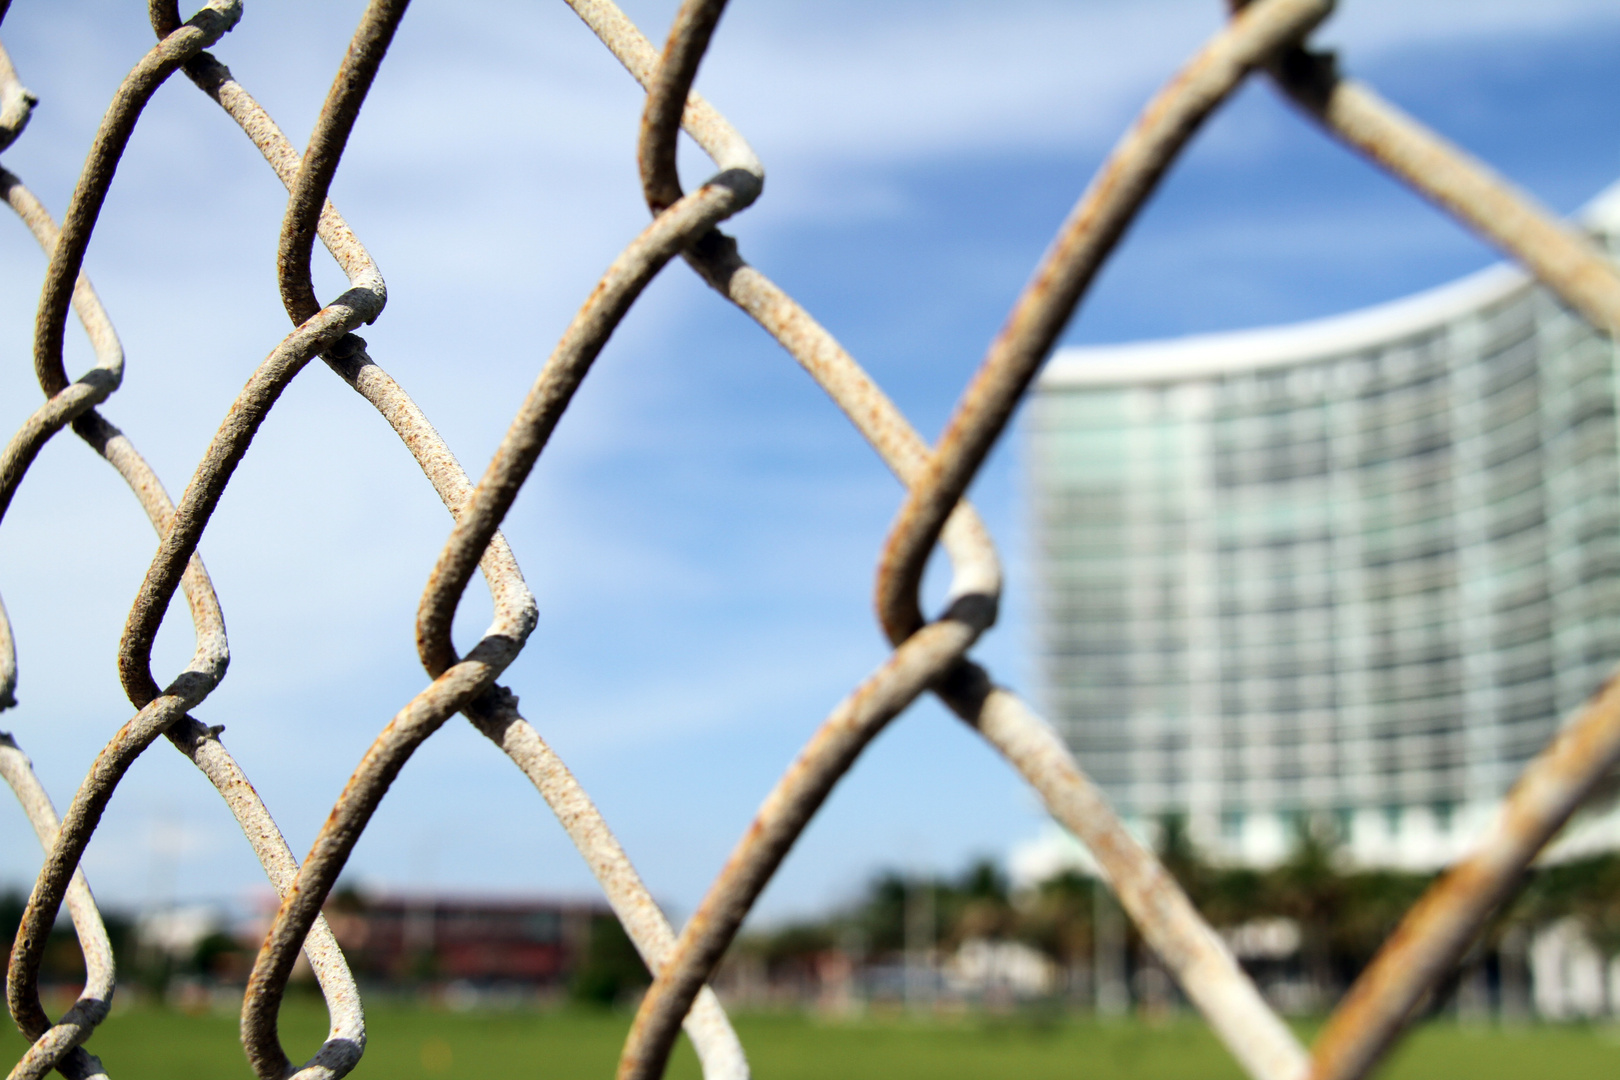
702	533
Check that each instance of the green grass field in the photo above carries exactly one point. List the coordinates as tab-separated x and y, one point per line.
407	1043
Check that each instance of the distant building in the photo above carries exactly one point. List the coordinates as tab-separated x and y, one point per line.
1355	569
987	970
405	939
177	931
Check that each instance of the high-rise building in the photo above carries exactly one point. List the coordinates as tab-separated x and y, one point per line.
1354	570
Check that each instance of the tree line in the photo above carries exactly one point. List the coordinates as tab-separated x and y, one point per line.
1340	915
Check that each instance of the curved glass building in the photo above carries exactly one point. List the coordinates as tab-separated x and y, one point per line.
1356	569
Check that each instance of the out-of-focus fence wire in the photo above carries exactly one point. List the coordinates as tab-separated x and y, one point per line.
930	653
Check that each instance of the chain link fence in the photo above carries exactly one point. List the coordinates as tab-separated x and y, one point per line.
1264	38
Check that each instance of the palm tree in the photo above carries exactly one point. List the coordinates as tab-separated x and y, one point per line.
1308	888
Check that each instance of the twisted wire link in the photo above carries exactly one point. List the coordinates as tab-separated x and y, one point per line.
60	409
1437	931
16	101
202	745
463	684
716	1043
201	31
59	1046
56	1043
347	249
199	743
16	107
929	655
319	331
208	662
719	1051
1591	277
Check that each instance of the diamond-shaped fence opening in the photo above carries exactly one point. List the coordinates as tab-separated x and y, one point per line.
1265	37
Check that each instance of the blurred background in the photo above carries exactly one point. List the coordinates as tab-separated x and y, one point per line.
702	532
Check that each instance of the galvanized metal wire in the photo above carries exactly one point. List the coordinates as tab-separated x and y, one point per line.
930	653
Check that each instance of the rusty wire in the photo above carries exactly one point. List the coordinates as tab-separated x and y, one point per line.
929	656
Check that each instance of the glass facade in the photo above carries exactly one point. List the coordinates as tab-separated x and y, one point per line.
1355	570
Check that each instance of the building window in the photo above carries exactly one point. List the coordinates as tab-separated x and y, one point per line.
1343	817
1372	522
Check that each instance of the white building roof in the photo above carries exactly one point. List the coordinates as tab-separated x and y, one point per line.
1203	355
